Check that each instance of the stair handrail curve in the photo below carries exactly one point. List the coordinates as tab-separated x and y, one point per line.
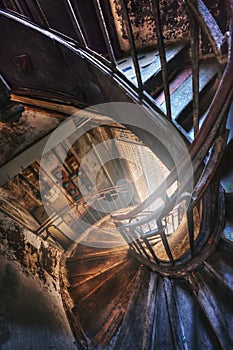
208	135
88	202
209	143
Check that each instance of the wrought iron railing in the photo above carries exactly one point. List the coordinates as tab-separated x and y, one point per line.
84	213
206	149
201	19
205	152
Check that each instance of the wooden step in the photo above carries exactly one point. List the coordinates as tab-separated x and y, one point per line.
150	65
106	301
114	322
94	265
196	329
83	252
181	92
162	334
217	304
84	287
136	329
221	263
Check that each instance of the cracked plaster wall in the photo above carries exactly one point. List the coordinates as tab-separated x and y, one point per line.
31	310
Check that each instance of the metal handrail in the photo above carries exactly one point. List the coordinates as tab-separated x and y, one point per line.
205	138
84	202
211	137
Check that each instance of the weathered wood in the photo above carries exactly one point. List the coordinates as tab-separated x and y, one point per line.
162	54
196	328
162	335
99	305
182	97
136	329
218	309
133	49
208	24
177	325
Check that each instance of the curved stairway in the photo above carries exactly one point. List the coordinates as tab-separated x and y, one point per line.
126	305
118	302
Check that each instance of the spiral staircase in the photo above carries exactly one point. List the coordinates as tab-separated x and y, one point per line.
155	288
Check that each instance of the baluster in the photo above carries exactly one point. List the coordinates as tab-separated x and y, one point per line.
128	239
150	249
190	221
138	241
173	220
165	242
162	55
19	7
43	17
166	224
75	23
195	69
129	30
12	6
104	30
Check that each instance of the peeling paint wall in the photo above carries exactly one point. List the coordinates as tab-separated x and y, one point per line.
31	309
173	15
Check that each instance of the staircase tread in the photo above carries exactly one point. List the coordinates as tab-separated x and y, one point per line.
191	314
221	262
94	311
93	265
217	304
103	280
114	321
162	335
83	252
136	328
181	97
89	285
149	63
